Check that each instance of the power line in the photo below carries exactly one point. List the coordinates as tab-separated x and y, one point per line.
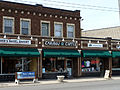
81	4
83	7
72	5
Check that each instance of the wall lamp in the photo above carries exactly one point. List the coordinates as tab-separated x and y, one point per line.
52	39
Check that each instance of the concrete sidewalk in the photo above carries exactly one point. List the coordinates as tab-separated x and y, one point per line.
44	82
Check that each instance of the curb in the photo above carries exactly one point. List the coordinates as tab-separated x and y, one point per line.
3	85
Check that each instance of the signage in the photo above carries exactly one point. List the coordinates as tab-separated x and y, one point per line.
95	45
107	73
60	43
25	75
15	41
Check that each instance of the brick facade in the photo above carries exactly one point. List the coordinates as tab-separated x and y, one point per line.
37	13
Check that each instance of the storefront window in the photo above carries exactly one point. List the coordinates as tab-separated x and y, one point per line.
91	65
59	64
116	64
18	64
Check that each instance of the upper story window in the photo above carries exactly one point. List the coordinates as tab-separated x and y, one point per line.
25	26
45	28
58	28
8	25
70	30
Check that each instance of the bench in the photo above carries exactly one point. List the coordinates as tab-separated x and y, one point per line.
25	76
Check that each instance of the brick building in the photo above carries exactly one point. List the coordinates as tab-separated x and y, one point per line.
37	38
48	41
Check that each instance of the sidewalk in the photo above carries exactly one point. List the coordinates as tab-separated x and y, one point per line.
44	82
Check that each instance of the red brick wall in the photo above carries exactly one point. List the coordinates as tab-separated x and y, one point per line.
35	19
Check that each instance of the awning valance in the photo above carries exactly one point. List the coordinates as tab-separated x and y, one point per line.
115	54
95	53
60	53
22	52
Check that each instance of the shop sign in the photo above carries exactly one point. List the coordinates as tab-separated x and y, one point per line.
15	41
95	45
25	75
107	73
58	43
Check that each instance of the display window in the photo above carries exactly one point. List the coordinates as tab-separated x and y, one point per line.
11	65
59	64
116	64
91	65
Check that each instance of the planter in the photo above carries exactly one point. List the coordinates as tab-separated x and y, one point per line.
60	78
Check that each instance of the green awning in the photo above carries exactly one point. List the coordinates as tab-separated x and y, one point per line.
60	53
22	52
95	53
115	54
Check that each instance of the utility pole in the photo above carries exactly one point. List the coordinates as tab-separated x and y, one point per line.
119	8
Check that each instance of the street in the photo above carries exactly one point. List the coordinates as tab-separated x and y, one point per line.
96	85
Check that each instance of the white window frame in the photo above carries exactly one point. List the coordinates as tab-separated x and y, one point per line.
13	27
24	19
73	30
61	30
42	21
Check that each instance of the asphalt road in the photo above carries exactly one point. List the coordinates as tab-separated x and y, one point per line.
99	85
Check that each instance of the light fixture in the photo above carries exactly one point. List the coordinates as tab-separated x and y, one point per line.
18	37
98	41
63	39
73	40
36	39
79	51
106	42
4	36
52	39
43	40
110	52
89	41
31	38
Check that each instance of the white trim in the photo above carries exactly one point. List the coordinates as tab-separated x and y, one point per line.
42	21
13	27
24	19
73	30
61	31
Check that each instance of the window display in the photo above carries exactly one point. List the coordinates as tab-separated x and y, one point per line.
18	64
91	65
59	64
116	64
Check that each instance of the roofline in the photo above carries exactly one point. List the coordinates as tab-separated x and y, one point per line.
100	28
36	5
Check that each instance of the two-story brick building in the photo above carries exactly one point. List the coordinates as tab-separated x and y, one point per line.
38	38
48	41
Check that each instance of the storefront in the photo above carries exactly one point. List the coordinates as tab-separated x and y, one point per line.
17	55
17	60
116	63
96	58
59	62
95	62
60	58
115	47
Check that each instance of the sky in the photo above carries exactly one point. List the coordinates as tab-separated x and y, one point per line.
96	14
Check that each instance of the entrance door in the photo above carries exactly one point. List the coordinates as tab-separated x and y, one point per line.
69	67
104	65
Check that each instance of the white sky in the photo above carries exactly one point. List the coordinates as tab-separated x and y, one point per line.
93	19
